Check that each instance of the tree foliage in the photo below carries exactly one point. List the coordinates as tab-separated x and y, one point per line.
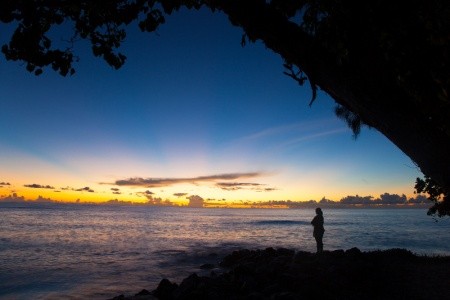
436	194
385	63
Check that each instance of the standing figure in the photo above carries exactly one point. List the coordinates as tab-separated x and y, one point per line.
318	232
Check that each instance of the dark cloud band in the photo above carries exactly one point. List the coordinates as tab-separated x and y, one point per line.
39	186
160	182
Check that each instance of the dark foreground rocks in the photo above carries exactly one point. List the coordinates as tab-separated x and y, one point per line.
285	274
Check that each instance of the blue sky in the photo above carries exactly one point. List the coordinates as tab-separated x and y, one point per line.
189	102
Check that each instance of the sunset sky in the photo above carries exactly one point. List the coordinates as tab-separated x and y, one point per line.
191	113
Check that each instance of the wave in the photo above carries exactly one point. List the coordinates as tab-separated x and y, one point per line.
297	223
280	222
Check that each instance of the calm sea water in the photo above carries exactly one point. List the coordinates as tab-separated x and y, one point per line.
98	252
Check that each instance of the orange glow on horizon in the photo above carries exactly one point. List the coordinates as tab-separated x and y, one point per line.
177	195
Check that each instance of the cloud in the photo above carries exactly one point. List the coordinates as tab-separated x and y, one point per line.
4	183
318	128
38	186
41	199
387	198
116	191
265	190
152	200
279	130
118	202
157	201
281	138
146	193
20	199
195	201
85	189
233	186
180	194
163	182
13	198
311	136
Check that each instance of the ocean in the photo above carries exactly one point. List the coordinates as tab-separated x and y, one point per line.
98	252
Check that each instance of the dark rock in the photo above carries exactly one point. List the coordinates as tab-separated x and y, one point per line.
271	289
143	292
190	282
338	253
302	256
284	274
189	286
254	296
270	250
207	266
285	252
234	258
353	251
213	274
165	289
284	296
280	262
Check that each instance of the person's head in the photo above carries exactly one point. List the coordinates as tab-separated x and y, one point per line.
318	211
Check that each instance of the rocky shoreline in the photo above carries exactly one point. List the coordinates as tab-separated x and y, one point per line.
286	274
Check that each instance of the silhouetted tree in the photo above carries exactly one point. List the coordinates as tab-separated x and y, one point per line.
436	193
384	62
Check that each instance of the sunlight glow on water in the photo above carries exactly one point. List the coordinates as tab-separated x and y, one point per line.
99	252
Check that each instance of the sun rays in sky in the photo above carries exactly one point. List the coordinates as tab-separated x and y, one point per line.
191	113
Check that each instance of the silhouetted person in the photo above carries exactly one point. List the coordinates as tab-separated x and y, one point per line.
318	232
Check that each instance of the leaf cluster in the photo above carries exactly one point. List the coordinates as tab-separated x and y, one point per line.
102	23
436	194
